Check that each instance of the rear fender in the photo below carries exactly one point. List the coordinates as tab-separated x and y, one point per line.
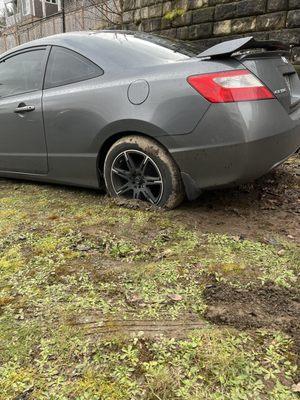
127	125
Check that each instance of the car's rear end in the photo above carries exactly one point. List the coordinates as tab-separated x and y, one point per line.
280	77
252	124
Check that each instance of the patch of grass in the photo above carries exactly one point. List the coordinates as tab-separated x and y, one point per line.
212	364
11	262
65	254
234	257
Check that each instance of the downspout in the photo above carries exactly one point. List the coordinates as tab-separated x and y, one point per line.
63	16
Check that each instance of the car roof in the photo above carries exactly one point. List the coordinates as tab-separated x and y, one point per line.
48	40
65	38
60	37
120	48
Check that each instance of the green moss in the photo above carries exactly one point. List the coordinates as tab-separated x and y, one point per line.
173	14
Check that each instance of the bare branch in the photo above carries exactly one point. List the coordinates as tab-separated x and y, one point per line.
105	5
105	10
103	14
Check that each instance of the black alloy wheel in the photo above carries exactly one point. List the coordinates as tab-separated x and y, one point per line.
136	176
139	168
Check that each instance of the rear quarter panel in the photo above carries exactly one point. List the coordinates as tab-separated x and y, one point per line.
80	117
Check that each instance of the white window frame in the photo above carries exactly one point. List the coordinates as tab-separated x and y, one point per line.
26	7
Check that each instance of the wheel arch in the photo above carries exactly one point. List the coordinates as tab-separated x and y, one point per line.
106	145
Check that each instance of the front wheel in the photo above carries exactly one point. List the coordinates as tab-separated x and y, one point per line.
138	168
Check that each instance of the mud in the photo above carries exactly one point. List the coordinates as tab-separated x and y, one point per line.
261	307
259	210
268	206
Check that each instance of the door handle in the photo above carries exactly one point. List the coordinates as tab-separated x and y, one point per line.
23	108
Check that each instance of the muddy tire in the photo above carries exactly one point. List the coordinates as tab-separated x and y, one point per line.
138	168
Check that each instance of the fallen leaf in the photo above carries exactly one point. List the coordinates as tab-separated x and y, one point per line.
175	297
135	298
296	387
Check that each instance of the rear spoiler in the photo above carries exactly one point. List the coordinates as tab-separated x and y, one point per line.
227	48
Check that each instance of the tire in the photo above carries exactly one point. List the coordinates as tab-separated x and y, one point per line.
138	168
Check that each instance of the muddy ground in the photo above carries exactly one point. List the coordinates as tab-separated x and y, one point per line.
271	205
267	307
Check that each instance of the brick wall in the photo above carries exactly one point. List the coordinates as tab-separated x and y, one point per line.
207	22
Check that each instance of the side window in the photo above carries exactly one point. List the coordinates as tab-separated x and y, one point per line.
65	66
22	73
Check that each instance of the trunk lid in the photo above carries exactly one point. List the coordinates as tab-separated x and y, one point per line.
275	71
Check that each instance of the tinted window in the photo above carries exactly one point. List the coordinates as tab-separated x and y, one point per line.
65	66
22	73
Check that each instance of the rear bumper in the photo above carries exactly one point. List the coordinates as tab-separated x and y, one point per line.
235	143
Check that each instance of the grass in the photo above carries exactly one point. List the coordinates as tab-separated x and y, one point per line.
66	255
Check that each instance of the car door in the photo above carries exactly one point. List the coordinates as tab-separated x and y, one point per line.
22	138
72	105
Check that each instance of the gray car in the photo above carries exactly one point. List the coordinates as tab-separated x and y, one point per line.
144	116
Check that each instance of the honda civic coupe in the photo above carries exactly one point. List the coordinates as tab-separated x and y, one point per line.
144	116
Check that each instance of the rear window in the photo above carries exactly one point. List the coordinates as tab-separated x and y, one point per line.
142	49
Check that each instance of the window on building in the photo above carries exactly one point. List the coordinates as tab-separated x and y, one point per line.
11	8
25	6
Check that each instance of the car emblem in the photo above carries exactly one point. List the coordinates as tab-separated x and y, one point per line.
284	59
279	91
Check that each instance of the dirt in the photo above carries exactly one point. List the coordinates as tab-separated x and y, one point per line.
261	307
268	206
95	325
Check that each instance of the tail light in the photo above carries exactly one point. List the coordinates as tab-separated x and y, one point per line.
230	86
